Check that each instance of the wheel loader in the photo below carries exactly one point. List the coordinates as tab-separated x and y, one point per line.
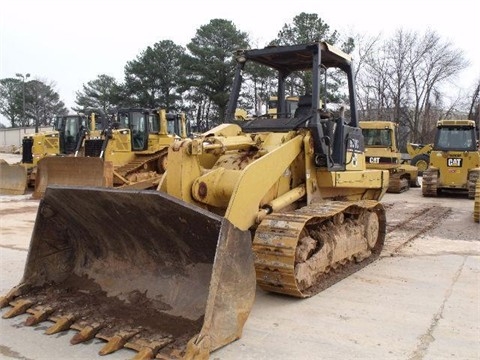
61	140
454	160
419	156
285	203
130	153
382	152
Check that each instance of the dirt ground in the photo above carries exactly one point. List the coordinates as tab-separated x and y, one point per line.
420	300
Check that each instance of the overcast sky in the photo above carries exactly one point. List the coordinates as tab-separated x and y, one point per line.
71	42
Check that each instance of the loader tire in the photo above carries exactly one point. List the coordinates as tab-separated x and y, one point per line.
421	162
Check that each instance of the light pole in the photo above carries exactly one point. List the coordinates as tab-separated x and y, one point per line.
24	77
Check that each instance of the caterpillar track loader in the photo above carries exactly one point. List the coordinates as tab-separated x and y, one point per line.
130	153
61	140
454	160
382	152
284	203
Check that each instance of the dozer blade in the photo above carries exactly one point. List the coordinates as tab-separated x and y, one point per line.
75	171
139	269
13	179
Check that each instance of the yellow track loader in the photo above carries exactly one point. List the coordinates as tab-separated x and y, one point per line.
61	140
284	203
454	160
131	153
382	152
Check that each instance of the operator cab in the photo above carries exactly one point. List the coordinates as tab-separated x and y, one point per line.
68	127
137	121
334	128
455	138
378	137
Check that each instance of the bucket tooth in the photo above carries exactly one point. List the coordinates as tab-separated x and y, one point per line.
4	301
145	354
175	354
117	341
190	278
19	307
61	324
87	333
13	293
147	349
39	314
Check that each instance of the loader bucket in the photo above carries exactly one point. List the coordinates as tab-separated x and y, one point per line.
76	171
13	179
137	268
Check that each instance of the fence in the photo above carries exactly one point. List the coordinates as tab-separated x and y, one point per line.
11	138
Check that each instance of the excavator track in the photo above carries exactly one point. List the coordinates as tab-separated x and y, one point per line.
398	184
302	252
429	183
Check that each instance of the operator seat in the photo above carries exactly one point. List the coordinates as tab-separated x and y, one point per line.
304	107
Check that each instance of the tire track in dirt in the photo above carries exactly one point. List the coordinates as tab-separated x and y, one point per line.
21	210
406	224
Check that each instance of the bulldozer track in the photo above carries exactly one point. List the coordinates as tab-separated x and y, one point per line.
140	162
277	240
429	183
398	184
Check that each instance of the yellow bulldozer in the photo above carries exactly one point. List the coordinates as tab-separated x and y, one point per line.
47	170
130	153
285	203
61	140
454	160
291	104
382	152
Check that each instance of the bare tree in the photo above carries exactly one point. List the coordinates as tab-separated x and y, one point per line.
403	78
43	103
436	62
370	87
474	111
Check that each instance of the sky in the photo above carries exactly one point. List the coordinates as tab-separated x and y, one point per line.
71	42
